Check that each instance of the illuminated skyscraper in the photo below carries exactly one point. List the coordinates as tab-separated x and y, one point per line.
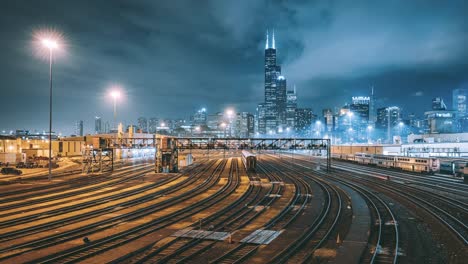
459	102
291	105
153	124
360	108
199	118
98	125
438	104
303	120
79	128
143	124
281	100
275	92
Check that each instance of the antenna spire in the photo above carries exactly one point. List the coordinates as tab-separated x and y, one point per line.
273	40
266	45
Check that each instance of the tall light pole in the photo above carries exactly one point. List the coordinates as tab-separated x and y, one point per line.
51	45
115	95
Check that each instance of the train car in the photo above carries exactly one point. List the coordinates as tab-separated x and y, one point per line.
363	158
249	160
383	161
416	164
453	167
350	157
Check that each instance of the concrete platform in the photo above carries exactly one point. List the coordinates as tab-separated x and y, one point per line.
211	235
354	244
262	237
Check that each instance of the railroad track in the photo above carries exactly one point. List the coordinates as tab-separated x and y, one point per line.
233	217
61	186
244	250
71	192
313	237
80	253
449	212
385	232
82	231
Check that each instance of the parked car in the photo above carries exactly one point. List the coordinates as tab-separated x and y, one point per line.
11	170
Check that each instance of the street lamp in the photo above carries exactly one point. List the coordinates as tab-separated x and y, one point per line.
115	95
50	44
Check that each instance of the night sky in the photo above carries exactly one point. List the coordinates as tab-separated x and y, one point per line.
174	57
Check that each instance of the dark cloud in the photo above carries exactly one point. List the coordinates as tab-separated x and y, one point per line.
173	57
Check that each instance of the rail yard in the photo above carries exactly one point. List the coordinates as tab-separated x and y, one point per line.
235	207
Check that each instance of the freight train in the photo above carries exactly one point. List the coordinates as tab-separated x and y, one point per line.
415	164
249	160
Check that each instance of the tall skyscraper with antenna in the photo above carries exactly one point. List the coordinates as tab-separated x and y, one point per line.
274	86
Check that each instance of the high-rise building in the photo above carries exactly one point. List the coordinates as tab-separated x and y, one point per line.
143	124
387	119
153	125
460	101
328	120
79	128
199	118
281	100
303	119
291	106
214	121
272	72
441	121
360	109
98	125
438	104
244	126
107	127
261	127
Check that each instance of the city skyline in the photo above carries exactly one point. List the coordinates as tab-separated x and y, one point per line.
151	67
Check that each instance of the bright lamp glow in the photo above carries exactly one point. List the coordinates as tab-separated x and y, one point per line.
47	40
229	112
115	94
49	43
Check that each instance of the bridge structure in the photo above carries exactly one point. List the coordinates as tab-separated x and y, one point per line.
166	148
